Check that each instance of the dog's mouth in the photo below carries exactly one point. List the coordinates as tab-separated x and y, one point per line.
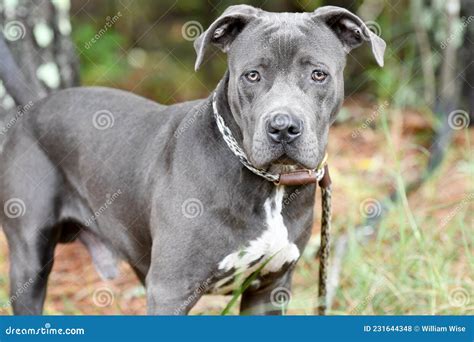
285	164
283	158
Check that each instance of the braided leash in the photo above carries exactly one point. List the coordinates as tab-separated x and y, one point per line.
319	175
326	195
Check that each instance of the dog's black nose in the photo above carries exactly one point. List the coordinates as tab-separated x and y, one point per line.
284	128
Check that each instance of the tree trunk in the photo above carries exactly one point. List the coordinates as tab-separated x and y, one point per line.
38	35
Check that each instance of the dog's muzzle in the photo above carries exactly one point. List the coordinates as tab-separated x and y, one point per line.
281	127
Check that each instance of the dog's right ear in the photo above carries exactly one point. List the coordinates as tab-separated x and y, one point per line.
351	30
223	30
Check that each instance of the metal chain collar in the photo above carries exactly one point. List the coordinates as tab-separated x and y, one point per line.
237	150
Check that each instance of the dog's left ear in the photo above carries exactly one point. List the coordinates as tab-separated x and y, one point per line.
224	29
351	30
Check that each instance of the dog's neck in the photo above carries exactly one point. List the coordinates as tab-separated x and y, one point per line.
224	109
228	163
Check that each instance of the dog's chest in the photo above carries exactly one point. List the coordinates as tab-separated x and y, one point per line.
268	253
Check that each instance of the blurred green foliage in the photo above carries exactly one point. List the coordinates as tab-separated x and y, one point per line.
100	59
145	52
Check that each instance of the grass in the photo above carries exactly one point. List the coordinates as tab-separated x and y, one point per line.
421	261
415	265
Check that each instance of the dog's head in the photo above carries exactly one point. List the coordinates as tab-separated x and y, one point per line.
286	77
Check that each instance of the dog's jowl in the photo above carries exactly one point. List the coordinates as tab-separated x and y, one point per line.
183	193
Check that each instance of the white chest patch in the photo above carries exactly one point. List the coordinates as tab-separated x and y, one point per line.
272	247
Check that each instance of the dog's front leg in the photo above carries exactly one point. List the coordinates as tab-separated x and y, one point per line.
172	286
168	294
269	300
164	300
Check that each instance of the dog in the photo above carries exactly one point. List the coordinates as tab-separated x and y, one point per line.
159	187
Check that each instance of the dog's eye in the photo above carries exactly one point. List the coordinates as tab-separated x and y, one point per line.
318	76
252	76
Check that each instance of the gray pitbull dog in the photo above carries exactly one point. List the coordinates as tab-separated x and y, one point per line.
158	187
